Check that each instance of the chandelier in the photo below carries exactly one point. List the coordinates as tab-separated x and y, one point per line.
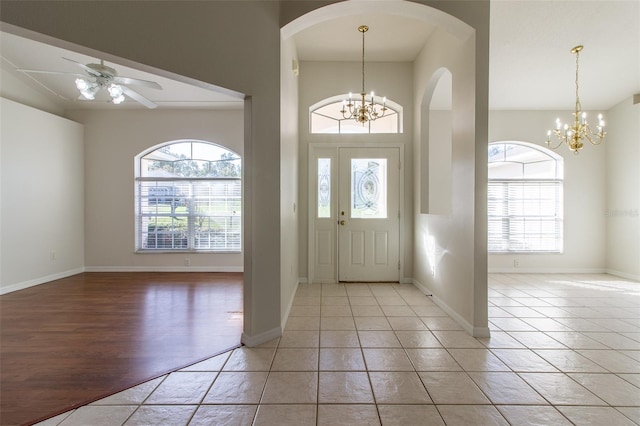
363	110
573	135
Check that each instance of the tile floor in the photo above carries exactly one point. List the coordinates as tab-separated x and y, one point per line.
564	349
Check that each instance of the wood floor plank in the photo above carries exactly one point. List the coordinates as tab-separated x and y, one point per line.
72	341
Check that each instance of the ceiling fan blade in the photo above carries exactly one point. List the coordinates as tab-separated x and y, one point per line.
50	72
138	97
89	70
135	81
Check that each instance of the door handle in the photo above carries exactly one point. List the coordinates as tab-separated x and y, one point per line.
342	222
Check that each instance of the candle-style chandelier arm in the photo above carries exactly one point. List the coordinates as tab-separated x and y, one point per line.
573	135
363	111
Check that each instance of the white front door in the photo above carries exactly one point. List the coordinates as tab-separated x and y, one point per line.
368	214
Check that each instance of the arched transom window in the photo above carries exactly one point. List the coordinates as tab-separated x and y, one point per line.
188	198
325	117
525	203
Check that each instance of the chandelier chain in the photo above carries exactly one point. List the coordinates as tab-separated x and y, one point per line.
578	105
359	109
363	31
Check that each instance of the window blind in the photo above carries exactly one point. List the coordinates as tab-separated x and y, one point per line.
179	214
524	216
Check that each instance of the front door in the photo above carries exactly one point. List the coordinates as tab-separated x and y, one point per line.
368	214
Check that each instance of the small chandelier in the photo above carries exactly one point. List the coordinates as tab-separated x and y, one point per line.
573	136
363	110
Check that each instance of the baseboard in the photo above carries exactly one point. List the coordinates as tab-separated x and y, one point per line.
303	280
42	280
623	275
547	271
261	338
473	331
164	269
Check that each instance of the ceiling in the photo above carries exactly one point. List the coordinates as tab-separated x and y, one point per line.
22	53
531	66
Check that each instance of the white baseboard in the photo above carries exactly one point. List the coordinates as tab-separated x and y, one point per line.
41	280
474	331
261	338
164	269
623	275
546	270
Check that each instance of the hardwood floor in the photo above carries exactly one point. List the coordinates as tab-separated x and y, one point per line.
72	341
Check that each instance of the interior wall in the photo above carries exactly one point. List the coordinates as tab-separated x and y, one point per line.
585	180
41	196
321	80
622	205
289	204
112	140
449	248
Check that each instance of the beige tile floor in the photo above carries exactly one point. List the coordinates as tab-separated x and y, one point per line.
564	349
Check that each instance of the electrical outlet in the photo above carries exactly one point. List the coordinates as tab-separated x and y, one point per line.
52	256
187	262
516	263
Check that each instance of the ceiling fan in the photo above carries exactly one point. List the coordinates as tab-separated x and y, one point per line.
99	77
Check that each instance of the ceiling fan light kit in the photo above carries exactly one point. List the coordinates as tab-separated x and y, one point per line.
101	77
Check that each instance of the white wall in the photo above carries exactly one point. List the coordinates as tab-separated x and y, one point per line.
42	196
112	140
449	249
289	205
585	180
622	206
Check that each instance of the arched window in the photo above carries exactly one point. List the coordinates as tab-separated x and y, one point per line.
525	201
325	117
188	198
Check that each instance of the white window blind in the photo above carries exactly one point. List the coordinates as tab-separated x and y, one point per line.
525	200
524	216
189	215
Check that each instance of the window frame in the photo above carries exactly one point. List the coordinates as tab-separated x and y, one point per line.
175	199
518	193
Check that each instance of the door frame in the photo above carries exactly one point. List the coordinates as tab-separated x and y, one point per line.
312	197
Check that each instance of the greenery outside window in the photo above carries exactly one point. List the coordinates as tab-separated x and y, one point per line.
525	199
188	198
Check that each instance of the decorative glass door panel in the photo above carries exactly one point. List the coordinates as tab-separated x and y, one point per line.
368	188
368	214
